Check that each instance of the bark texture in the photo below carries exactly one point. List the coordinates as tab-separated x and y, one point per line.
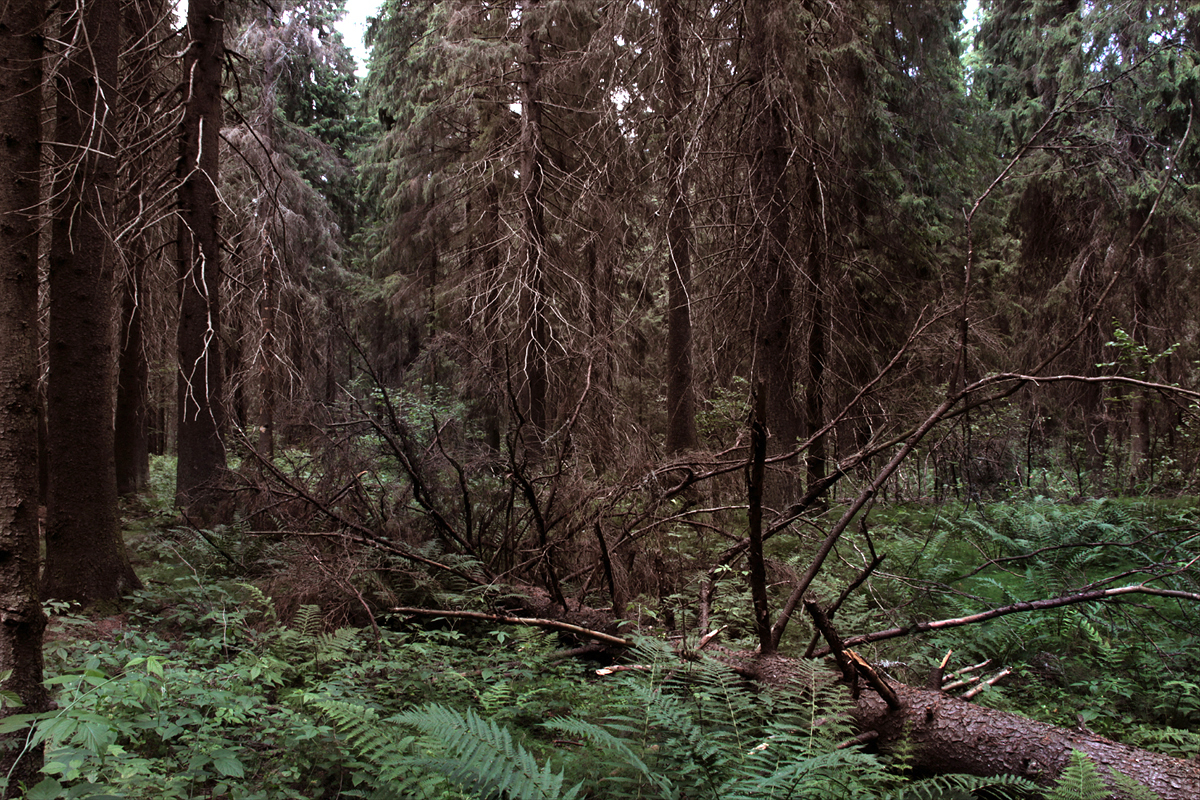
132	444
200	389
681	422
133	369
771	275
86	559
21	617
947	734
535	342
950	735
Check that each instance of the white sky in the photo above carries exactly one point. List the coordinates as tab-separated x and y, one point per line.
354	25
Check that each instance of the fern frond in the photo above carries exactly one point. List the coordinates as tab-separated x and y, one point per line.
607	743
308	621
496	698
369	739
364	731
965	787
830	776
1080	780
1132	789
482	757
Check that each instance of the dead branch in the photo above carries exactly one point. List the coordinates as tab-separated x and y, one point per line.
1096	595
551	624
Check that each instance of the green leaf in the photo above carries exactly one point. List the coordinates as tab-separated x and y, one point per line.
226	762
47	789
17	722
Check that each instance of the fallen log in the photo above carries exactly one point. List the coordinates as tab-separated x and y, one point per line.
946	734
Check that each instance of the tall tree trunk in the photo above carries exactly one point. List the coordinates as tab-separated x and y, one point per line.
1139	404
1095	418
681	421
268	301
533	282
86	559
132	436
266	365
491	315
200	385
21	632
771	273
599	256
814	389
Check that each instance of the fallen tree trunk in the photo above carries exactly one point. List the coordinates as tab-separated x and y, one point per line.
945	733
949	735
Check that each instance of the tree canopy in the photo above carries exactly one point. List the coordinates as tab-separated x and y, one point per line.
665	316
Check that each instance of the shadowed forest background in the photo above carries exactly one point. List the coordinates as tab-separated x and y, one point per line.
349	425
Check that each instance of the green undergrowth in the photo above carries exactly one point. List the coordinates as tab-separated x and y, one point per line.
201	691
1125	668
205	688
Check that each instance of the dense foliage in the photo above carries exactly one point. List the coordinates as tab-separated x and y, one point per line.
657	319
198	688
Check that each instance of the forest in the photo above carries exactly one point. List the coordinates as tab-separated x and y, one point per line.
647	398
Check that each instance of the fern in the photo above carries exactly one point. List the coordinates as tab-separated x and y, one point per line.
615	756
964	787
1081	780
496	699
1133	790
482	757
467	750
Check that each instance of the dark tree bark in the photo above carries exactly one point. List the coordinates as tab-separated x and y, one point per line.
598	258
132	440
533	281
86	559
681	422
200	385
771	273
949	735
814	389
493	236
21	617
132	435
266	364
755	476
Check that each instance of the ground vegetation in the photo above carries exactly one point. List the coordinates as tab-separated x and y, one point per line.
778	358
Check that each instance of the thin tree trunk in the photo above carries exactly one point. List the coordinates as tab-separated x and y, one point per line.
755	476
86	559
533	283
1095	419
21	634
1139	404
266	364
771	274
814	390
132	433
598	261
132	436
681	422
201	451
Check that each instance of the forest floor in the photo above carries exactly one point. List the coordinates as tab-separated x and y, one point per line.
211	683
